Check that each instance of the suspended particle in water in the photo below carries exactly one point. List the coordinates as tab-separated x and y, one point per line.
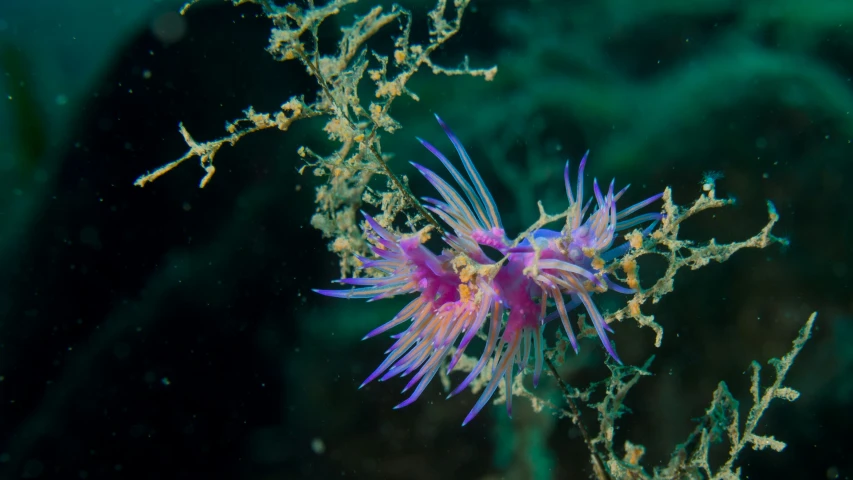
318	446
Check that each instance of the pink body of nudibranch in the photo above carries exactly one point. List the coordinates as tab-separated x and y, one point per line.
461	289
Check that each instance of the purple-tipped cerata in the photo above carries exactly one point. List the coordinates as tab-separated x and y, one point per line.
461	290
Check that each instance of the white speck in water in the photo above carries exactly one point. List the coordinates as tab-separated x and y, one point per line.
318	446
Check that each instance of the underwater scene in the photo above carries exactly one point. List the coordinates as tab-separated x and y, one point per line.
431	239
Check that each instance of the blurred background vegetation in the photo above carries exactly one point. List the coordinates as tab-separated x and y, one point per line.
171	331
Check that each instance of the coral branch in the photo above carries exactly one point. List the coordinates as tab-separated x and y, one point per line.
352	123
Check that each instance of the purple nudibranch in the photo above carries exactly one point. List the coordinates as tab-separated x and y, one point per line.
460	290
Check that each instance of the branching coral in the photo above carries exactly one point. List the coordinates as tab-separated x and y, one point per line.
352	123
467	290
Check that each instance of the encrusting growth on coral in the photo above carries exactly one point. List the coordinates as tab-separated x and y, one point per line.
721	421
351	123
483	284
